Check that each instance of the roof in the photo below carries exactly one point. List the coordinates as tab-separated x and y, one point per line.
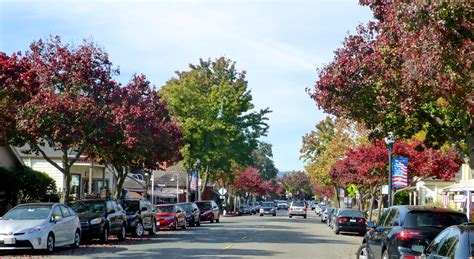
460	187
425	208
165	177
49	151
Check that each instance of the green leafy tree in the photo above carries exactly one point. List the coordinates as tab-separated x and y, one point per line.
262	160
214	109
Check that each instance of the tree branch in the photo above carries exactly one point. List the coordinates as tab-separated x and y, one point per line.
37	148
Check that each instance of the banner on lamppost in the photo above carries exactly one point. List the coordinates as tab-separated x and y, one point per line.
399	172
194	180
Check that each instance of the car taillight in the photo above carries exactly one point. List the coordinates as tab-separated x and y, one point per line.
410	257
342	220
361	221
408	234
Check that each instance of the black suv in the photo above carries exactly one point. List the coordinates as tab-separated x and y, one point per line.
101	218
406	230
193	215
140	216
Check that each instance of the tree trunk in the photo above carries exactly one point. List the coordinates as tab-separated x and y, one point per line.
122	173
470	149
204	184
371	204
380	206
338	202
67	175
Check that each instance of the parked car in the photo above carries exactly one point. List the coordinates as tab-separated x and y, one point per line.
101	218
325	215
283	205
313	205
402	228
253	207
193	215
348	220
140	216
209	211
297	208
453	242
39	226
244	210
170	216
268	208
320	210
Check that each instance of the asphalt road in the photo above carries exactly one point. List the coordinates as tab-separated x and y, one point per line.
234	237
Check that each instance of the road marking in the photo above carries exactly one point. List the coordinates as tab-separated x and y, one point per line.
227	247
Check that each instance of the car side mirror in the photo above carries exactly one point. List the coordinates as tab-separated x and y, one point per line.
370	224
56	219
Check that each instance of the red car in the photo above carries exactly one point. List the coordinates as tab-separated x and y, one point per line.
170	216
209	211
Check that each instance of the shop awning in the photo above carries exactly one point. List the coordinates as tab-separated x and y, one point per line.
461	187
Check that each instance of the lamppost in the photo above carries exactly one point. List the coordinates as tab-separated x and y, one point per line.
177	186
390	140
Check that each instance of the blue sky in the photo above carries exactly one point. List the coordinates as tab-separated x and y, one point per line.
279	43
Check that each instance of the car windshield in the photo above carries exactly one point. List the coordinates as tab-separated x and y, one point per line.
267	204
203	205
28	212
165	209
88	206
433	219
351	213
298	204
131	207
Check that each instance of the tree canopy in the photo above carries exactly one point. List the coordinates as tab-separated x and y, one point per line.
406	72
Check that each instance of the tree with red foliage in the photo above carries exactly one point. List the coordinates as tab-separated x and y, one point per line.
247	181
297	183
141	134
67	89
411	70
366	165
16	88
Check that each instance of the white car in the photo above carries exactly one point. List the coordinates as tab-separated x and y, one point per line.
39	226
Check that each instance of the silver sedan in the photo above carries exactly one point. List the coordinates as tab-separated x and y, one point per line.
39	226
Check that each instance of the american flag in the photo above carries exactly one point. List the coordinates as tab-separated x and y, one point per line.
194	180
445	200
400	172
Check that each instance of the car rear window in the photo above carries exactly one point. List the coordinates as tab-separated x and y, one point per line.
298	204
433	219
267	204
164	209
351	213
203	205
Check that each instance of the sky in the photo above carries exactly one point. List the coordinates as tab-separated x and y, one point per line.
280	44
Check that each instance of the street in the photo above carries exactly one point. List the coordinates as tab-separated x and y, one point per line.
235	237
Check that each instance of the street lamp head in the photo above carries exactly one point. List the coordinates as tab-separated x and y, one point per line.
390	139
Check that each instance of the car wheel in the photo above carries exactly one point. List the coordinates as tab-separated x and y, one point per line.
105	234
77	239
336	230
192	224
139	229
218	219
175	225
274	214
290	216
184	225
385	254
198	223
362	252
261	215
50	243
123	232
212	219
152	231
304	216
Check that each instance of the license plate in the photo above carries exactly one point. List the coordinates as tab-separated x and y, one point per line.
418	248
9	241
352	220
